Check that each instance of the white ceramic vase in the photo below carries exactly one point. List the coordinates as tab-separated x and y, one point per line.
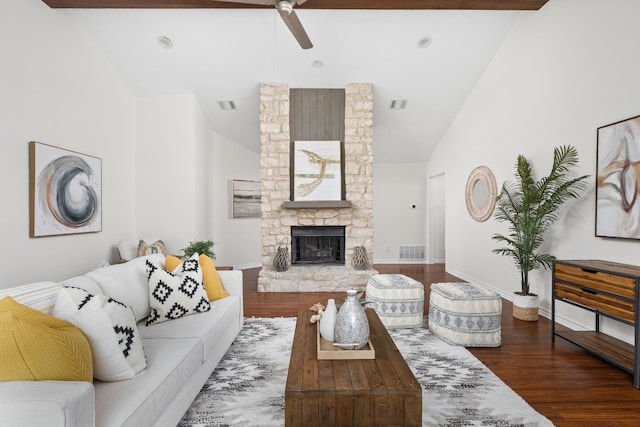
328	321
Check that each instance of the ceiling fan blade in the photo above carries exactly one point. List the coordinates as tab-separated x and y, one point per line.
296	28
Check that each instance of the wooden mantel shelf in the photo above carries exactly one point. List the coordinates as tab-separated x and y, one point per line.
317	204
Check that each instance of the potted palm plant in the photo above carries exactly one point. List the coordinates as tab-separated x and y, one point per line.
530	207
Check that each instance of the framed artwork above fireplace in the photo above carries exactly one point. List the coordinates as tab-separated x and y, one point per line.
317	170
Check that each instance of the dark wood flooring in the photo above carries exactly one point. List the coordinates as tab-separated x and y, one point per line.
566	384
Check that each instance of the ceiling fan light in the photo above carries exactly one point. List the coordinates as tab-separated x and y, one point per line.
284	7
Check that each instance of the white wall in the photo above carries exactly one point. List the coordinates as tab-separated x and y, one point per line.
171	178
560	74
436	219
396	188
238	240
58	88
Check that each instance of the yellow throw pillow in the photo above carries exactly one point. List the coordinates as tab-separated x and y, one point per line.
171	263
37	347
210	278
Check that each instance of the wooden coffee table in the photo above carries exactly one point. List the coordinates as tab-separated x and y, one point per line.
382	391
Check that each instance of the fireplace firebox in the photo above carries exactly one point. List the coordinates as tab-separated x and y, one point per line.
317	245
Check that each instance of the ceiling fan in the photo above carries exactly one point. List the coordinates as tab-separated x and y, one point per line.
288	15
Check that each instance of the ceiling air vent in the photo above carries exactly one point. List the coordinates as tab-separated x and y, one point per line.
227	105
398	104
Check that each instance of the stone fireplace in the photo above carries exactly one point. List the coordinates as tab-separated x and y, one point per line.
280	214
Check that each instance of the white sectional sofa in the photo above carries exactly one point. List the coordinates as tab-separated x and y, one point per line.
181	354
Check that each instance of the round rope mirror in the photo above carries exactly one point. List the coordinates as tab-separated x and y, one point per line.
481	193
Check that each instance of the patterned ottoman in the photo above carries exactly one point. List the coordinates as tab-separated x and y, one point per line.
398	299
464	314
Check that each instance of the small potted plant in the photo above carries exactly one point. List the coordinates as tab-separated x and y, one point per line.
530	207
202	247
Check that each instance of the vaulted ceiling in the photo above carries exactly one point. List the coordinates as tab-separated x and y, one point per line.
222	51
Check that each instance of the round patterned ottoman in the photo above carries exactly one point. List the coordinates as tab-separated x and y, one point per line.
397	299
465	314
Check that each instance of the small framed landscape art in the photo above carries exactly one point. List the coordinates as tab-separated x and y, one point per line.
65	190
246	199
618	180
317	170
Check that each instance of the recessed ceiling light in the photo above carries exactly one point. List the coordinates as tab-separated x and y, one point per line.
227	105
317	64
165	42
424	42
398	104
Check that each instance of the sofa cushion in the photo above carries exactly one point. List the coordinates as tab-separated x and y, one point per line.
177	294
46	403
111	329
208	327
210	278
138	402
127	283
36	346
39	296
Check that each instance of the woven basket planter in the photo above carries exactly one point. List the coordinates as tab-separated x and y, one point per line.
525	307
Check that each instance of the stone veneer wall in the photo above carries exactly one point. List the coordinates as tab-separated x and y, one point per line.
274	175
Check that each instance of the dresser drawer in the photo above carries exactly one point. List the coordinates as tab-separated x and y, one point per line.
599	281
611	305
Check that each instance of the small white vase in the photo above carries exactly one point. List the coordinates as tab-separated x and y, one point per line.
328	321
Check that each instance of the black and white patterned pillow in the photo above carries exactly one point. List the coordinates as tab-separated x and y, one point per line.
110	328
177	294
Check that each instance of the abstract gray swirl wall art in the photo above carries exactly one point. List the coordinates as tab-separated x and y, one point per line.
65	191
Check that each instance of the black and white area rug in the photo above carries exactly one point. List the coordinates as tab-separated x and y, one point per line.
247	387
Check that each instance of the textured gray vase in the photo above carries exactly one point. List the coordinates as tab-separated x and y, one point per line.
352	325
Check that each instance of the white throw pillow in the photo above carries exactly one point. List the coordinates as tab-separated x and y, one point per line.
127	283
177	294
110	327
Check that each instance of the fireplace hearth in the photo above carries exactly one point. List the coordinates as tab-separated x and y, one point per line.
313	245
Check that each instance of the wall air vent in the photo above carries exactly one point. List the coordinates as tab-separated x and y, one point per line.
227	105
398	104
411	253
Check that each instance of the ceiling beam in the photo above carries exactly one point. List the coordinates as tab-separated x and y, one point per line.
310	4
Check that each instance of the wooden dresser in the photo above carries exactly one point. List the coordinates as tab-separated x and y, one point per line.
607	289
